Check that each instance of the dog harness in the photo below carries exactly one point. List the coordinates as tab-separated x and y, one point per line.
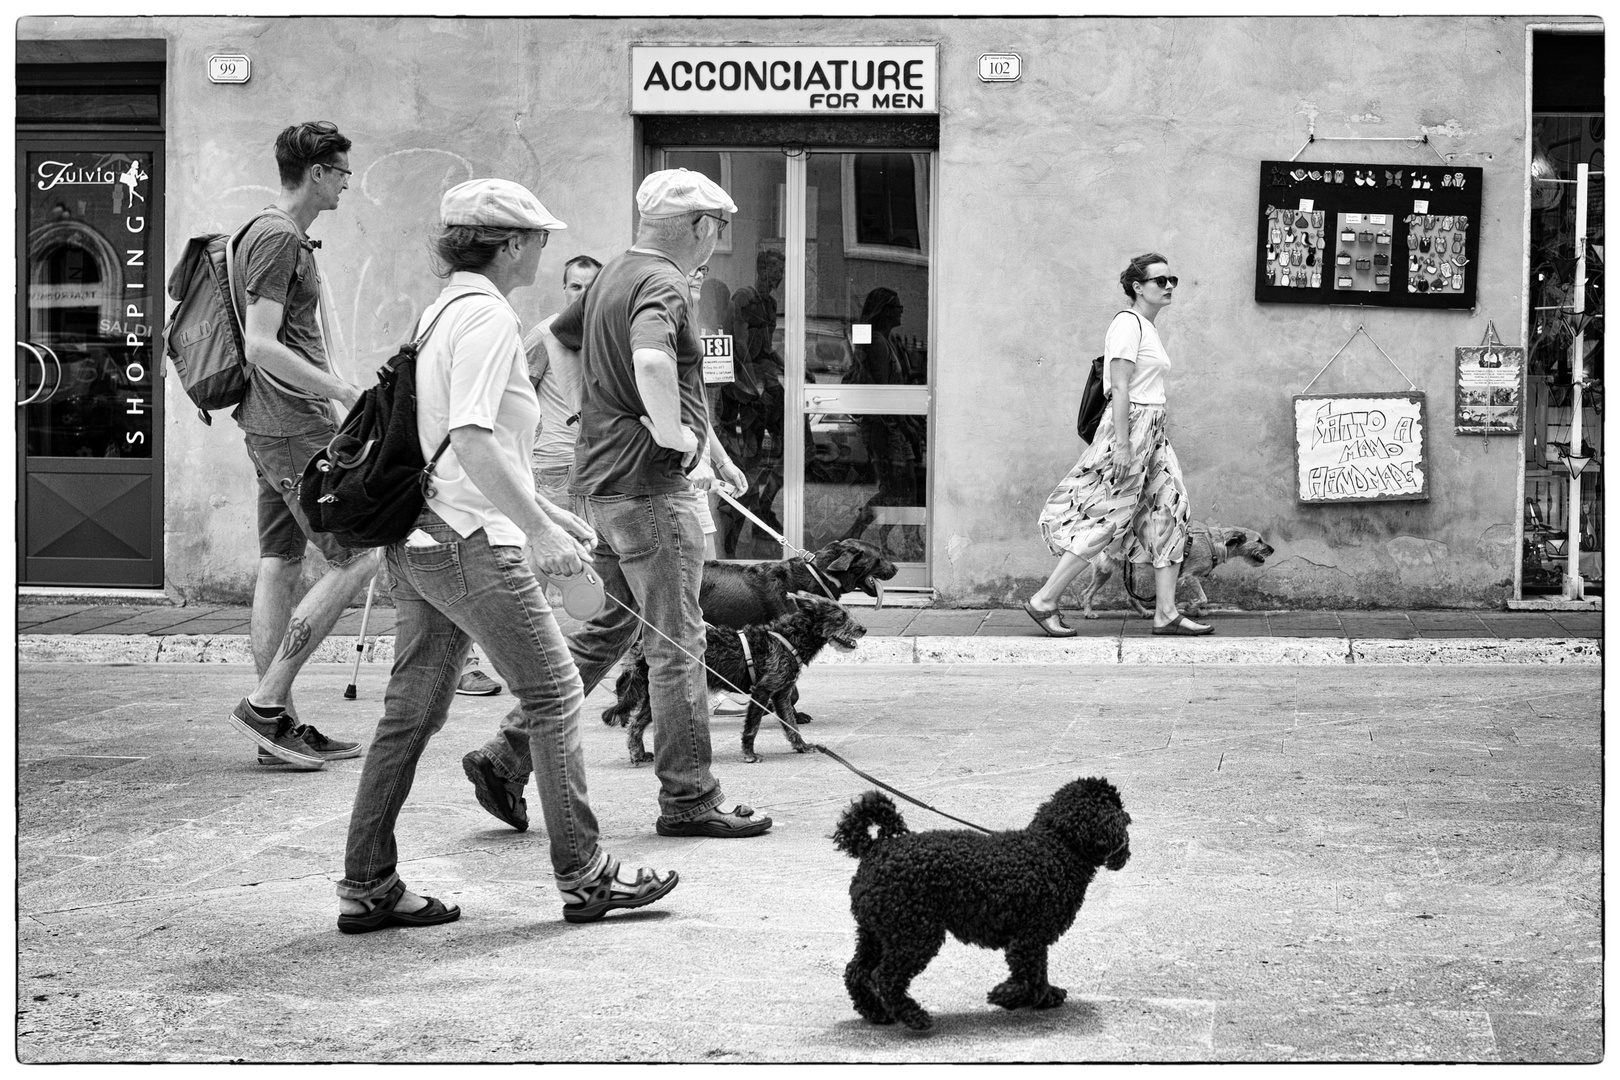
748	655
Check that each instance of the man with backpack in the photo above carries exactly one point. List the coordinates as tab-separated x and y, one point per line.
286	416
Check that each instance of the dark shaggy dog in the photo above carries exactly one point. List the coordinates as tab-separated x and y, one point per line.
779	650
738	595
1207	547
741	595
1017	891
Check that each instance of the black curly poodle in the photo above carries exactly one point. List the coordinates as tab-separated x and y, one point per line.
1017	890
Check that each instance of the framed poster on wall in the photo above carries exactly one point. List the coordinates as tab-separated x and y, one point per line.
1490	388
1381	235
1361	447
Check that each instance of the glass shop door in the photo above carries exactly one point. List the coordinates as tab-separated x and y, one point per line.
89	310
823	286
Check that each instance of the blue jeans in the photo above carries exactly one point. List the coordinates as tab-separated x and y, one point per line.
649	555
446	594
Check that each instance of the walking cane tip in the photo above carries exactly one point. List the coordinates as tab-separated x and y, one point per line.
348	693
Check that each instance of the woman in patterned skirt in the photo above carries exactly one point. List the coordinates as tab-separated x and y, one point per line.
1125	497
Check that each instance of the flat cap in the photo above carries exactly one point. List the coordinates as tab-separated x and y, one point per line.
673	192
500	203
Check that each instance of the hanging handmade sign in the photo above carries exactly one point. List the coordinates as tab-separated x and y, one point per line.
1370	447
1490	387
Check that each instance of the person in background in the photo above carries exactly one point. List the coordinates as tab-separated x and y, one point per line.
1126	491
463	572
554	371
752	405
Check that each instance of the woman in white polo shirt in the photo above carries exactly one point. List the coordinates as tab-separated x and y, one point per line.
1125	495
464	573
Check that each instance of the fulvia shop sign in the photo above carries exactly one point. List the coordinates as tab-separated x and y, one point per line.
838	79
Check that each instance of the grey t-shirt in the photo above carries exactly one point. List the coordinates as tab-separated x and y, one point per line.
275	261
638	301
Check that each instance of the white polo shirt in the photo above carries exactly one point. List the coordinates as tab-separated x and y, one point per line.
1131	337
472	372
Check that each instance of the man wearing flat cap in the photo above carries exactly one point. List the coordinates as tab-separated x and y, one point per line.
644	441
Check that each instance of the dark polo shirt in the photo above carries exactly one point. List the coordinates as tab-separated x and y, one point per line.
638	301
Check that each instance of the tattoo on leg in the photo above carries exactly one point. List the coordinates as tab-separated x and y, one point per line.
297	639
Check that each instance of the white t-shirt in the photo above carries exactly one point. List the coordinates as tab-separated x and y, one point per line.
559	368
1131	337
472	372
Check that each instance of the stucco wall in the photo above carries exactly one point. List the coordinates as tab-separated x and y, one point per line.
1123	136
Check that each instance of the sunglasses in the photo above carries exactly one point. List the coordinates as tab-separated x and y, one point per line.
1163	281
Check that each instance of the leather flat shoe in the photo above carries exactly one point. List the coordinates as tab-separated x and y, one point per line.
1177	627
1050	621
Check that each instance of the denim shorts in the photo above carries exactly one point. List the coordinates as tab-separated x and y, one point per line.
279	461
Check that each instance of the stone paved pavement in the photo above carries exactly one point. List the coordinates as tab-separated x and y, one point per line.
1354	864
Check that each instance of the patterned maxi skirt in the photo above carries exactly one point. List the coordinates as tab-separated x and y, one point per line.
1144	518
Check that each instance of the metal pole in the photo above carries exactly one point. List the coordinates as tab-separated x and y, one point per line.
1574	584
349	693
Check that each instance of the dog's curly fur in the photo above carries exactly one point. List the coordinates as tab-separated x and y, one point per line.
736	595
808	627
1208	546
1018	891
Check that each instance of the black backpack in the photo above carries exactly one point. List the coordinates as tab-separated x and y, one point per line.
368	484
1093	399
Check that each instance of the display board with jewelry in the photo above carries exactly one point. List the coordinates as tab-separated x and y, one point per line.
1386	235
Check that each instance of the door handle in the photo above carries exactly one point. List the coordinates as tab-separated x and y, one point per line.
39	358
818	400
57	385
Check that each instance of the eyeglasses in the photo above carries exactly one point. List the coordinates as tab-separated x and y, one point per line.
720	231
1164	281
701	270
334	168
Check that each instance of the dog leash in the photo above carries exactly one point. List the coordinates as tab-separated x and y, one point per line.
790	726
809	560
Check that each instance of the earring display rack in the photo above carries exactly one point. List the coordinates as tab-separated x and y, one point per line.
1375	235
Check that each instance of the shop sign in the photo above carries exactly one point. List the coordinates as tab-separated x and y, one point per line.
1361	447
756	79
717	357
56	295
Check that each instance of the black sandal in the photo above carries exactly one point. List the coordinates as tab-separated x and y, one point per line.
380	913
1050	621
595	899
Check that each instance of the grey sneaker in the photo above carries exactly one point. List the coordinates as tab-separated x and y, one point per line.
322	746
477	684
276	737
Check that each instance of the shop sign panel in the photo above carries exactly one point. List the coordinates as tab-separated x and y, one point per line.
1361	447
785	79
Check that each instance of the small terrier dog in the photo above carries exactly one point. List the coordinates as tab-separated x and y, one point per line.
1018	891
763	661
1208	546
